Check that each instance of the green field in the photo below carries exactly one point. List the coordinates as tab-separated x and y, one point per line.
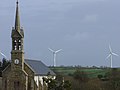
91	72
90	78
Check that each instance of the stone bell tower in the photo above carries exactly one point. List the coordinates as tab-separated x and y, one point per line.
17	53
14	77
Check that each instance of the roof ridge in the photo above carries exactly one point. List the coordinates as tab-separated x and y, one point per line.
33	60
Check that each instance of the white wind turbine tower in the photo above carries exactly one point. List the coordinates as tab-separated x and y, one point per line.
111	55
54	55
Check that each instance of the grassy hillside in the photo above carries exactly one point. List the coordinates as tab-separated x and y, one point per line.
90	78
91	72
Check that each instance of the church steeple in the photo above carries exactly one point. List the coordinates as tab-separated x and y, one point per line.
17	18
17	35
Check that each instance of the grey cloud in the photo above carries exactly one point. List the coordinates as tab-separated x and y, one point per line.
78	36
90	18
82	28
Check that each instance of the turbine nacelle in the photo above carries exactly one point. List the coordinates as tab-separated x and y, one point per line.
54	51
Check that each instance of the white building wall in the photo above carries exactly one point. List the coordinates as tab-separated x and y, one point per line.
40	79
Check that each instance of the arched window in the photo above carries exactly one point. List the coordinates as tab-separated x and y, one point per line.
16	85
15	41
5	84
19	41
19	44
14	45
19	47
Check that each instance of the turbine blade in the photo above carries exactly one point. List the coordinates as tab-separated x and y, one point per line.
115	54
3	55
58	51
51	50
110	48
108	56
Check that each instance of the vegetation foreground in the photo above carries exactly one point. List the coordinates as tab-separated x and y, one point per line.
90	78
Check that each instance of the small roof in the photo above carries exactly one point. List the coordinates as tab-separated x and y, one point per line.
39	68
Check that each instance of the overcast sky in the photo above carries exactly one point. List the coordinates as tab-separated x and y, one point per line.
83	29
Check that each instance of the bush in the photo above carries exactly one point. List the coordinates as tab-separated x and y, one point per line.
100	76
81	76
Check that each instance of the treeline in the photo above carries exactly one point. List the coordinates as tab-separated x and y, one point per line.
82	67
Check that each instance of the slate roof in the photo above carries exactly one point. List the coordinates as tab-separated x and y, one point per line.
39	68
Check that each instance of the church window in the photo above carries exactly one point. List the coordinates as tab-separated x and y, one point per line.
14	45
16	85
19	47
19	44
19	40
5	84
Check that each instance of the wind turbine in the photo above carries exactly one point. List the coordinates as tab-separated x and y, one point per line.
54	55
111	55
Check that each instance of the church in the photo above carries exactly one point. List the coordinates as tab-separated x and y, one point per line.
21	73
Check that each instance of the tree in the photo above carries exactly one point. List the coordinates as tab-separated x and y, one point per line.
114	79
67	85
55	84
81	76
100	76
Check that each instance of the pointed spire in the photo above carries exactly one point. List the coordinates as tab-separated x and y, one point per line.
17	18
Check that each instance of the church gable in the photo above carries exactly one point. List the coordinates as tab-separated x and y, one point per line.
16	33
6	71
10	79
28	70
31	82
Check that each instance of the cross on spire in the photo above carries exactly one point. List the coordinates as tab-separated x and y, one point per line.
17	2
